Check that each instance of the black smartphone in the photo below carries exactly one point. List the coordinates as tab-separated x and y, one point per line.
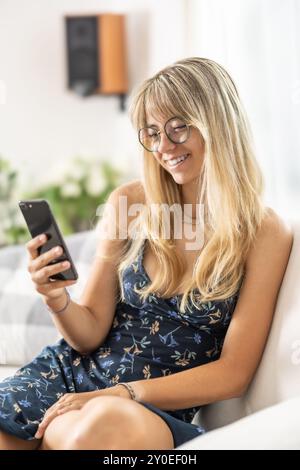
39	219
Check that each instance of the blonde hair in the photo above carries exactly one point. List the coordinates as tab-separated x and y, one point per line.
230	185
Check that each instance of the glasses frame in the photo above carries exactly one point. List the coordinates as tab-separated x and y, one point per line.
165	132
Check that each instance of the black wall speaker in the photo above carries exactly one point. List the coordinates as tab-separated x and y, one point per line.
96	54
82	53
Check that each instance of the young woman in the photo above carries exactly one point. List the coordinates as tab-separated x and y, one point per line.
164	325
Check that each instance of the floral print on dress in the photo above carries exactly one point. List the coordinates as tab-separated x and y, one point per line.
147	340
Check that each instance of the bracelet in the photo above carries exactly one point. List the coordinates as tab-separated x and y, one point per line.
130	390
64	308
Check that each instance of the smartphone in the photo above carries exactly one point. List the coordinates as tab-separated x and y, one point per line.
39	219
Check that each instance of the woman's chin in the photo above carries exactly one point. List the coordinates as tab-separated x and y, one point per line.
182	178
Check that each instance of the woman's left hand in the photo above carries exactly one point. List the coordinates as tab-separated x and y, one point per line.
74	401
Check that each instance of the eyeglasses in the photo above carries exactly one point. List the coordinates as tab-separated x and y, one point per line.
175	129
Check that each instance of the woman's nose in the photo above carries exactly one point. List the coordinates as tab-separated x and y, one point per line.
165	144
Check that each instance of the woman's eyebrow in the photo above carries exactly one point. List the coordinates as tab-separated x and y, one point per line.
152	125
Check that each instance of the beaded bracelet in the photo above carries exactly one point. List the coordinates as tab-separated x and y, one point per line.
62	309
130	390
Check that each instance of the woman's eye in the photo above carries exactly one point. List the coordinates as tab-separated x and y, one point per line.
178	128
152	133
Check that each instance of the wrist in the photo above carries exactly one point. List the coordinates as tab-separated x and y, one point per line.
122	391
129	389
58	304
56	300
116	391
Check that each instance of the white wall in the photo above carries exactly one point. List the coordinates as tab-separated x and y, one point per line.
42	123
258	42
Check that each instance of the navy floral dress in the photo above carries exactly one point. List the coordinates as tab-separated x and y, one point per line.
147	339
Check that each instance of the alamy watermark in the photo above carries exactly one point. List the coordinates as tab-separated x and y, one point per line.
114	223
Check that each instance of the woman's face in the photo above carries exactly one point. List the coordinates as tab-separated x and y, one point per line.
192	152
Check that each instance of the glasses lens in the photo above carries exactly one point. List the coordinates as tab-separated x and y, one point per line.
177	130
149	138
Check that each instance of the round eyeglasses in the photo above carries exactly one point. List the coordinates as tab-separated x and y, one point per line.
175	129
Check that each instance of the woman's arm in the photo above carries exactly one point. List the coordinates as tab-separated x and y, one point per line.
85	324
230	376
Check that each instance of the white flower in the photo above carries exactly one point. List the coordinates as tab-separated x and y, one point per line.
62	170
59	171
70	189
96	182
75	170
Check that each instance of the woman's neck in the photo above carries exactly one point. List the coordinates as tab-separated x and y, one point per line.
189	193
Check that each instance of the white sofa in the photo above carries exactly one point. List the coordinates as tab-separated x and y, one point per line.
266	417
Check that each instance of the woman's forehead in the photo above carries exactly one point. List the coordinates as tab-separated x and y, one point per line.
156	119
159	110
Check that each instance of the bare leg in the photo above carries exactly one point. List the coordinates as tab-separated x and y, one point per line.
56	434
120	424
8	442
108	423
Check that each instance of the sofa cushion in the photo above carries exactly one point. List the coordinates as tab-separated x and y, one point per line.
25	323
274	428
7	371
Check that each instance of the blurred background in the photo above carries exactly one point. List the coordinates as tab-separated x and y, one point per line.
67	68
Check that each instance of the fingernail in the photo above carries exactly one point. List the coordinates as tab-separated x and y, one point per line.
42	238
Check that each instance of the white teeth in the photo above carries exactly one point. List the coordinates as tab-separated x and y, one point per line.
175	161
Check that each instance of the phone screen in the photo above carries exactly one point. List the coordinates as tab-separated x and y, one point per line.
39	219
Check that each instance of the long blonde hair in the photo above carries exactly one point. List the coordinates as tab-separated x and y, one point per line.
230	187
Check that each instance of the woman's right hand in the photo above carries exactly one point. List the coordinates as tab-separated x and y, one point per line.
40	272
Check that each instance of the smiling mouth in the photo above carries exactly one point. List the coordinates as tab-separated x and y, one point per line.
176	162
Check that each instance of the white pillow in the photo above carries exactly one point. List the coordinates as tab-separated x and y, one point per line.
25	323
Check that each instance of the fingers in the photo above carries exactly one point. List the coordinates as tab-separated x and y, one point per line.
48	287
42	275
41	267
44	259
57	409
50	414
33	245
45	266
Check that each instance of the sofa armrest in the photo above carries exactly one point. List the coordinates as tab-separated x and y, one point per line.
277	427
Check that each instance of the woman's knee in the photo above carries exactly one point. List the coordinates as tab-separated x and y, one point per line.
57	434
106	423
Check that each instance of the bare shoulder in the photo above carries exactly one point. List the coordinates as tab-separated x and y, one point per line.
133	190
119	210
275	237
273	223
